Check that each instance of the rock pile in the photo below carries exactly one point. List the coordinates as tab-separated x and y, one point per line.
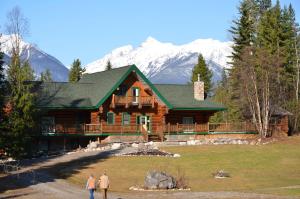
96	146
220	141
159	180
150	152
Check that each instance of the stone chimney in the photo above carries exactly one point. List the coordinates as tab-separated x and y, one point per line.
199	89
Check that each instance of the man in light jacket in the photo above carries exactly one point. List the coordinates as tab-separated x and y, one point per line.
104	184
91	185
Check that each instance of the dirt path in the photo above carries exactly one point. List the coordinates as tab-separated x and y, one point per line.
44	185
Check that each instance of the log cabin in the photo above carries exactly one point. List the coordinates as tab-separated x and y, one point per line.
122	104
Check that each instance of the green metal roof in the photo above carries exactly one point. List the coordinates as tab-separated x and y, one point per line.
93	89
181	97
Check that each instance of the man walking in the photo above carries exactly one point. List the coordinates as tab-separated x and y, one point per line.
91	185
104	184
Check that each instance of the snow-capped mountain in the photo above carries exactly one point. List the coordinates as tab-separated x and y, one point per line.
166	62
38	59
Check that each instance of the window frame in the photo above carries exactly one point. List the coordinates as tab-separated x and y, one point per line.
113	118
190	117
129	117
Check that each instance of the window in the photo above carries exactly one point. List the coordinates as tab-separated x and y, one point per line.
48	125
110	118
187	120
125	118
138	119
135	94
122	90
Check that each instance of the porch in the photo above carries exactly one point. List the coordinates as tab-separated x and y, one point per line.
159	130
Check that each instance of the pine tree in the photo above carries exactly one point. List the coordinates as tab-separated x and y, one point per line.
46	76
264	5
19	122
243	29
221	95
108	65
21	117
76	71
2	82
205	74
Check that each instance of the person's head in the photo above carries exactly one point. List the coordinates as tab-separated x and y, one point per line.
91	176
104	173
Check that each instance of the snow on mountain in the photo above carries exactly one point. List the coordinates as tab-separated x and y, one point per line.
38	59
166	62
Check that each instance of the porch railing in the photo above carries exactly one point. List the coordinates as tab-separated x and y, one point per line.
104	128
132	101
156	129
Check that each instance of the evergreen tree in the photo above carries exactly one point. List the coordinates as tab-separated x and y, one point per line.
222	95
205	74
19	121
46	76
21	117
2	82
76	71
108	65
264	5
243	29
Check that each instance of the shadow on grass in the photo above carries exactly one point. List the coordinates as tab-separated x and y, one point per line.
45	173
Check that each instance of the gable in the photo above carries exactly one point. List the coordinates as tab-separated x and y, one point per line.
91	91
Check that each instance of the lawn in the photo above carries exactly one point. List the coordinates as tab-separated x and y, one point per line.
272	168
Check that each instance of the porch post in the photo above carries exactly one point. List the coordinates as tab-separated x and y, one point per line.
113	101
207	126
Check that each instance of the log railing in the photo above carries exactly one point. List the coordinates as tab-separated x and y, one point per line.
104	128
156	129
132	101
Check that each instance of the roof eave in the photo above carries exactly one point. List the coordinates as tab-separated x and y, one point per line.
200	109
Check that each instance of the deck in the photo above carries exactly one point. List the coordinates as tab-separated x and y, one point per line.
104	129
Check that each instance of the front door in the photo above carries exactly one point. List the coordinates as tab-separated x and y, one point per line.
145	121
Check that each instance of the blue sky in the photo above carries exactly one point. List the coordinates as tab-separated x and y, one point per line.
69	29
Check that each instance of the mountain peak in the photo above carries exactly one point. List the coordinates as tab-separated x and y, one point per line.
166	62
150	41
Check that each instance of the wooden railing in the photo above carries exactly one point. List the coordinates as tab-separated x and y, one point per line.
132	101
156	129
231	127
104	128
63	129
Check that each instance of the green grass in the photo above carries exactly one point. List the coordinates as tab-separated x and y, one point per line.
260	169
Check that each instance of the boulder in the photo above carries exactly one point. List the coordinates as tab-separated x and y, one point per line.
92	145
159	180
115	146
135	145
176	155
191	142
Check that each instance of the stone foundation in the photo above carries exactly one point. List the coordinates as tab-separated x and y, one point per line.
210	137
129	138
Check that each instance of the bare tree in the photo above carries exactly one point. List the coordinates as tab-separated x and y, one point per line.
297	46
17	27
258	73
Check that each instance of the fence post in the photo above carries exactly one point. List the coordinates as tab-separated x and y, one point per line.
101	128
177	127
195	130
